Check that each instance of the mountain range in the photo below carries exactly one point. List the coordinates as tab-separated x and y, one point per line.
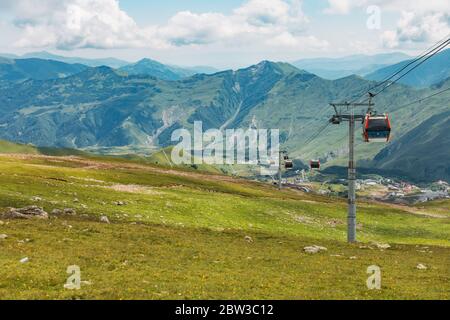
22	69
44	55
144	66
106	108
431	72
335	68
161	71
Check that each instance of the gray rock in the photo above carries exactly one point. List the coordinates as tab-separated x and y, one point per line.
248	239
24	260
56	212
421	266
104	219
70	211
314	249
26	213
3	236
383	246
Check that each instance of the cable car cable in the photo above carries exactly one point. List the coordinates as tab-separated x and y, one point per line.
443	42
416	66
424	98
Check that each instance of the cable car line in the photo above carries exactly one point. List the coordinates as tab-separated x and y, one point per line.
430	52
315	135
416	66
438	46
424	98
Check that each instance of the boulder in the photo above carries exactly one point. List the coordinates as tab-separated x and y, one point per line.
104	219
26	213
24	260
56	212
314	249
248	239
70	211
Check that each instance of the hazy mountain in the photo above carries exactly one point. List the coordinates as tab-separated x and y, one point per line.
37	69
101	107
335	68
110	62
433	71
156	69
9	56
201	69
165	72
423	152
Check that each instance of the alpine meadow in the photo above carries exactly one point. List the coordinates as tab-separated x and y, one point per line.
336	185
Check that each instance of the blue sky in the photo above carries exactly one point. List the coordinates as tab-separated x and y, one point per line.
224	34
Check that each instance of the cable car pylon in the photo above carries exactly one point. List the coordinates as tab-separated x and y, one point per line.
346	112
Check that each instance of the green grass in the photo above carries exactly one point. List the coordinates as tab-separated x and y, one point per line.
181	235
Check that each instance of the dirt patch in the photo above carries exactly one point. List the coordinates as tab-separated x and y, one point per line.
131	188
416	211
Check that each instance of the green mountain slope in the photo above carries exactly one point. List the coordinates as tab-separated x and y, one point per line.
109	62
433	71
37	69
180	234
422	153
103	108
155	69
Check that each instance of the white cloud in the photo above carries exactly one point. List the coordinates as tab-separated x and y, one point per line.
70	24
414	28
256	21
418	6
421	21
340	6
75	24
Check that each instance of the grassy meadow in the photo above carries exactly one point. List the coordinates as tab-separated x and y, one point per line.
185	234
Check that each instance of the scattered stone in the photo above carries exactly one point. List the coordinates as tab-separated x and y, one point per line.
383	246
24	260
70	212
84	206
248	239
304	219
1	223
56	212
421	266
3	236
366	247
36	199
353	258
76	200
119	203
104	219
334	223
26	213
314	249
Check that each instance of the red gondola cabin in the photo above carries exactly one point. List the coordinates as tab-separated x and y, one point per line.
314	164
377	128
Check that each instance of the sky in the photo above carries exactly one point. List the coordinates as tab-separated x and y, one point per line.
222	34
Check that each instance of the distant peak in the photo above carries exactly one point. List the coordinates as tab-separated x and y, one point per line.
146	60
